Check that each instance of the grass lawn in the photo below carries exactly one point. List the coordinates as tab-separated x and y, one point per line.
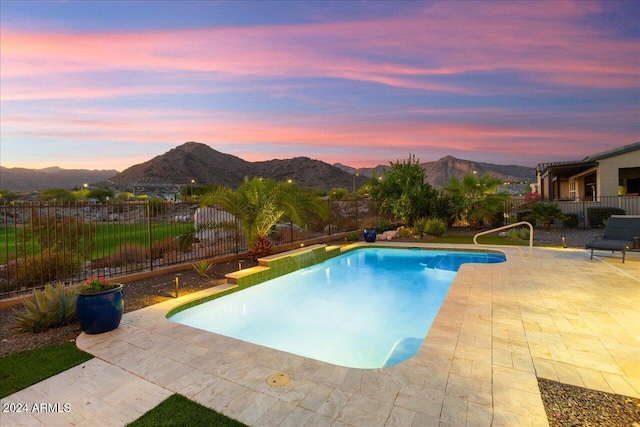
177	410
107	238
20	370
467	239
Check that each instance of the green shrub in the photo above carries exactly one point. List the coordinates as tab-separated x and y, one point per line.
598	215
520	233
419	226
571	220
353	237
384	225
405	232
435	227
54	306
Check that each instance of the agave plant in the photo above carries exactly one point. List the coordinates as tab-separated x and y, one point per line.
203	267
51	307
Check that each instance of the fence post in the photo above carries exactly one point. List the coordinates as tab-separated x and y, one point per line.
330	214
236	240
150	234
356	201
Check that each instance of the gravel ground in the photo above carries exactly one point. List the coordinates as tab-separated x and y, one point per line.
565	405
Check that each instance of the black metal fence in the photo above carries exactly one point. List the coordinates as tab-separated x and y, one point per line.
579	214
45	242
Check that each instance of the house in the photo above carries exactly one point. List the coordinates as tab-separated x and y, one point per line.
611	173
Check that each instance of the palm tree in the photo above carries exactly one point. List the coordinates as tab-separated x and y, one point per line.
476	199
260	204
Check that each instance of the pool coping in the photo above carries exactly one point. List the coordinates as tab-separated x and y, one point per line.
477	365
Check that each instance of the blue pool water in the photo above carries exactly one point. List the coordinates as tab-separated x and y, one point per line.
368	308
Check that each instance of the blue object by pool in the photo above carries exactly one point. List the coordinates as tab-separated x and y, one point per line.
368	308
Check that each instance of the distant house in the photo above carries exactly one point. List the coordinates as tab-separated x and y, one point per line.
610	173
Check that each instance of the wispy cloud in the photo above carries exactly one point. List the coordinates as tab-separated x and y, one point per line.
467	77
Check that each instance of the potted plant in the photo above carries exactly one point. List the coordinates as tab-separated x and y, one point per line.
370	234
99	305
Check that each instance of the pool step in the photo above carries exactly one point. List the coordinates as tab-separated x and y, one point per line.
403	349
277	265
233	277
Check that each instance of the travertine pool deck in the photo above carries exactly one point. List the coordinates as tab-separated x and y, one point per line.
556	315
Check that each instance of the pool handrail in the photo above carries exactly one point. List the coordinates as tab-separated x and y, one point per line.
475	241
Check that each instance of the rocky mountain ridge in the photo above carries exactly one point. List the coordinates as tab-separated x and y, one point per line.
23	179
440	171
198	164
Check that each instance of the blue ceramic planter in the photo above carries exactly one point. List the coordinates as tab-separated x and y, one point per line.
370	235
101	311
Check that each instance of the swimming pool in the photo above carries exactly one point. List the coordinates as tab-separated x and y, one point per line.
368	308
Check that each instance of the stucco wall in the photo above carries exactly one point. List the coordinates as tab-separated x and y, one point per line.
607	180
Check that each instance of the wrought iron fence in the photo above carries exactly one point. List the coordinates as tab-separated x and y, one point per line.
45	242
579	213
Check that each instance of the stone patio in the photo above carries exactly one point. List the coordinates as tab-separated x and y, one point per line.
556	315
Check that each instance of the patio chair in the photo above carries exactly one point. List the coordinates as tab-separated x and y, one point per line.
622	233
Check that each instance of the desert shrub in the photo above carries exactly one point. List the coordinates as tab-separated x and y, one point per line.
160	247
571	220
353	237
435	227
520	233
54	306
384	225
129	253
405	232
598	215
47	266
419	226
185	241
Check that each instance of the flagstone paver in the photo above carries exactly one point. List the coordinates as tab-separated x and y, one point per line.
558	316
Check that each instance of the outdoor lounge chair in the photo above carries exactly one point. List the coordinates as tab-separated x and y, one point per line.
622	233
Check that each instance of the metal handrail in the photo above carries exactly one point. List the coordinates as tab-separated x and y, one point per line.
475	241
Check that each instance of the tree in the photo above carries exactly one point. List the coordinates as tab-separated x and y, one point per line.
260	204
338	193
475	199
56	194
100	194
7	196
404	193
546	212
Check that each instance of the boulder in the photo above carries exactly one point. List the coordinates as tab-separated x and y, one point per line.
213	225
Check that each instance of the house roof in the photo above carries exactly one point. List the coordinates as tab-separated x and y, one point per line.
613	152
589	161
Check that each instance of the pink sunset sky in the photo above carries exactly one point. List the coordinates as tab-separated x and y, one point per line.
106	85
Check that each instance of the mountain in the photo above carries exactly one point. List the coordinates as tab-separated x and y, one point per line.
190	161
440	171
21	179
203	164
